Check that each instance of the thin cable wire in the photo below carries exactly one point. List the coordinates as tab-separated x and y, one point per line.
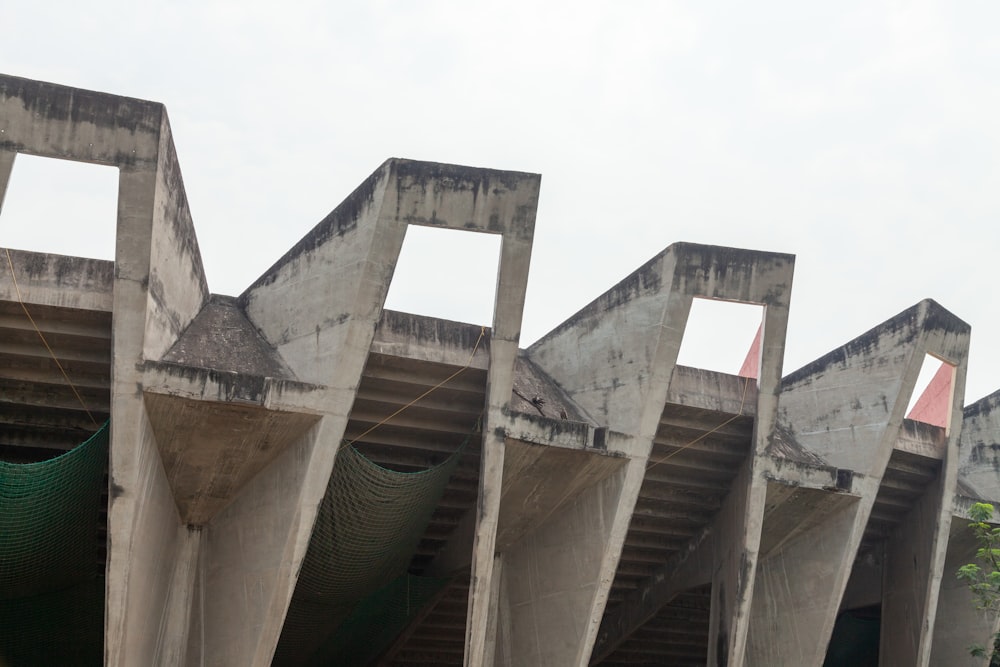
746	384
482	334
20	300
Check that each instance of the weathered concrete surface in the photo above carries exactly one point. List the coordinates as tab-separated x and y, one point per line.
545	582
847	409
800	564
211	450
637	327
222	338
159	287
959	624
56	280
227	414
979	454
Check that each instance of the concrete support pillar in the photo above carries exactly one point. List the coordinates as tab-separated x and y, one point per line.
153	303
734	564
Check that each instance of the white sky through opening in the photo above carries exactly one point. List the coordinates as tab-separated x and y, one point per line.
61	207
719	334
446	273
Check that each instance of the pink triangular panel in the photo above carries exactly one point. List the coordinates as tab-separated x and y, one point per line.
934	404
751	365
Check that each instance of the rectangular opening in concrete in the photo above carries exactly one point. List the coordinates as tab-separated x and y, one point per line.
931	399
61	207
446	273
720	336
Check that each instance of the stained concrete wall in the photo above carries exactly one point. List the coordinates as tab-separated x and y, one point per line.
150	308
979	454
547	581
634	333
847	409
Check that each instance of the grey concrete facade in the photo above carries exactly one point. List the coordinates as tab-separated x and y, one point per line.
607	506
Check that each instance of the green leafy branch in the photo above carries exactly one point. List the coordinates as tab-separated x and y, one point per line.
983	576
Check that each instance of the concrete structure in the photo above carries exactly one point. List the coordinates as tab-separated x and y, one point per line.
613	507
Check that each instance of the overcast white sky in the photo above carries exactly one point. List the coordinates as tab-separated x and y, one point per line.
860	136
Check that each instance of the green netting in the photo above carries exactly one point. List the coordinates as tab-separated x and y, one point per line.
855	639
63	627
368	527
48	519
377	621
51	597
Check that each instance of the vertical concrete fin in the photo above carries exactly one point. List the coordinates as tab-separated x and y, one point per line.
332	281
809	540
177	286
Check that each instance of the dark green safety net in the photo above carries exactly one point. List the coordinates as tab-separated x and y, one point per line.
368	527
855	639
51	592
376	621
64	627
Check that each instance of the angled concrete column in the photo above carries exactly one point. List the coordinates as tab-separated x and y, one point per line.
638	327
852	432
